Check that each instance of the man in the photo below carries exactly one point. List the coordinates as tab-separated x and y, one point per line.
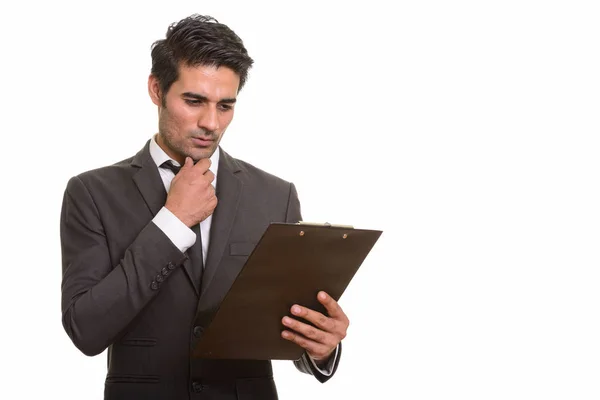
146	245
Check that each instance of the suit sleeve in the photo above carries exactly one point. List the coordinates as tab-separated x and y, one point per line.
99	300
304	364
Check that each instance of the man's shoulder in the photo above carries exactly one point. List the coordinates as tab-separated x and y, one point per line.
117	170
106	177
111	170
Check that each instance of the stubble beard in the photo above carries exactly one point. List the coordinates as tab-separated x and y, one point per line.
177	146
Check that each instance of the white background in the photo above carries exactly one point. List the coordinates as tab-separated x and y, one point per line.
467	131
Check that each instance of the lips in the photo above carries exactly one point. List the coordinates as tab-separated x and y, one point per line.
202	142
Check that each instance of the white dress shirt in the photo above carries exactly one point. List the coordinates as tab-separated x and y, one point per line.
182	236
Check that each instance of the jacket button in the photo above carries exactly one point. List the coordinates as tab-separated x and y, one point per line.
197	387
198	331
154	285
164	272
171	266
159	278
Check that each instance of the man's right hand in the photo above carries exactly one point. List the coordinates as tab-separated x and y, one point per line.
192	196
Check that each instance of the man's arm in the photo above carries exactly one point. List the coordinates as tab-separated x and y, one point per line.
99	299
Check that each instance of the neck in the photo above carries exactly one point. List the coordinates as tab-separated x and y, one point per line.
170	152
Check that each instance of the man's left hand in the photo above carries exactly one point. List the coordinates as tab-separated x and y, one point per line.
321	340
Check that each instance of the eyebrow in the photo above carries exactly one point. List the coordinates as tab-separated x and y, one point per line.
197	96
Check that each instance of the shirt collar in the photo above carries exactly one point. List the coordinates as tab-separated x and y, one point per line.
159	156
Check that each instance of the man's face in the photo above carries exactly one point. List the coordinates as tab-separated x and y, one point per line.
197	110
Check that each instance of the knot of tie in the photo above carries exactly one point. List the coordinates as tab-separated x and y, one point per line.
169	165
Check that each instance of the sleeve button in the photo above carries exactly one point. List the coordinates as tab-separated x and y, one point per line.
198	331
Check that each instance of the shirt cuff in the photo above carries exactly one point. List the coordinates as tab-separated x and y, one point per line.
326	369
181	236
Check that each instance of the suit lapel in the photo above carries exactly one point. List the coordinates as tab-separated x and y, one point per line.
148	180
152	189
229	189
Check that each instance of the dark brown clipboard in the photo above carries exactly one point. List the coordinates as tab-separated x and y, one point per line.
289	265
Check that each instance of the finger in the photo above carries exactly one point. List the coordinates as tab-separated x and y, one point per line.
310	332
316	350
210	175
187	163
333	308
203	165
320	320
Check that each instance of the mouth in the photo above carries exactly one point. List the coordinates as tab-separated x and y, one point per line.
202	142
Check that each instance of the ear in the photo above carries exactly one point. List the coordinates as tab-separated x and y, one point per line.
154	90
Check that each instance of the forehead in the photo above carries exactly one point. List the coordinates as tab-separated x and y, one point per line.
212	82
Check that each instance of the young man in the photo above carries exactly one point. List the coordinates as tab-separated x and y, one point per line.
148	242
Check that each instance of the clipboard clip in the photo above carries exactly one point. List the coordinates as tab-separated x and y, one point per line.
326	224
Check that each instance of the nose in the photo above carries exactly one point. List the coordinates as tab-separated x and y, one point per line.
210	119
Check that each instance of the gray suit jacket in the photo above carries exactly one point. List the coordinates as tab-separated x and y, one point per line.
127	288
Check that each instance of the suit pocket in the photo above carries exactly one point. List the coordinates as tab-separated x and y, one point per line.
139	342
130	387
134	360
241	248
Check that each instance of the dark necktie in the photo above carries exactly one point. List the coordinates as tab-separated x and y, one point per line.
169	165
194	252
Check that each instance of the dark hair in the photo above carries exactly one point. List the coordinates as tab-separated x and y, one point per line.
194	41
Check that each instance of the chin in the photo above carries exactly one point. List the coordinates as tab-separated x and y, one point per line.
200	154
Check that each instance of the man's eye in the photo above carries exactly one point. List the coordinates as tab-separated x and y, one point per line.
225	107
190	102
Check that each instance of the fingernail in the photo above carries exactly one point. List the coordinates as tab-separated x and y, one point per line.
322	296
287	320
296	310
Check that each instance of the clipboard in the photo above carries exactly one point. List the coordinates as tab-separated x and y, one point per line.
290	264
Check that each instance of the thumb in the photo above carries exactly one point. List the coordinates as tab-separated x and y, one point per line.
188	163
